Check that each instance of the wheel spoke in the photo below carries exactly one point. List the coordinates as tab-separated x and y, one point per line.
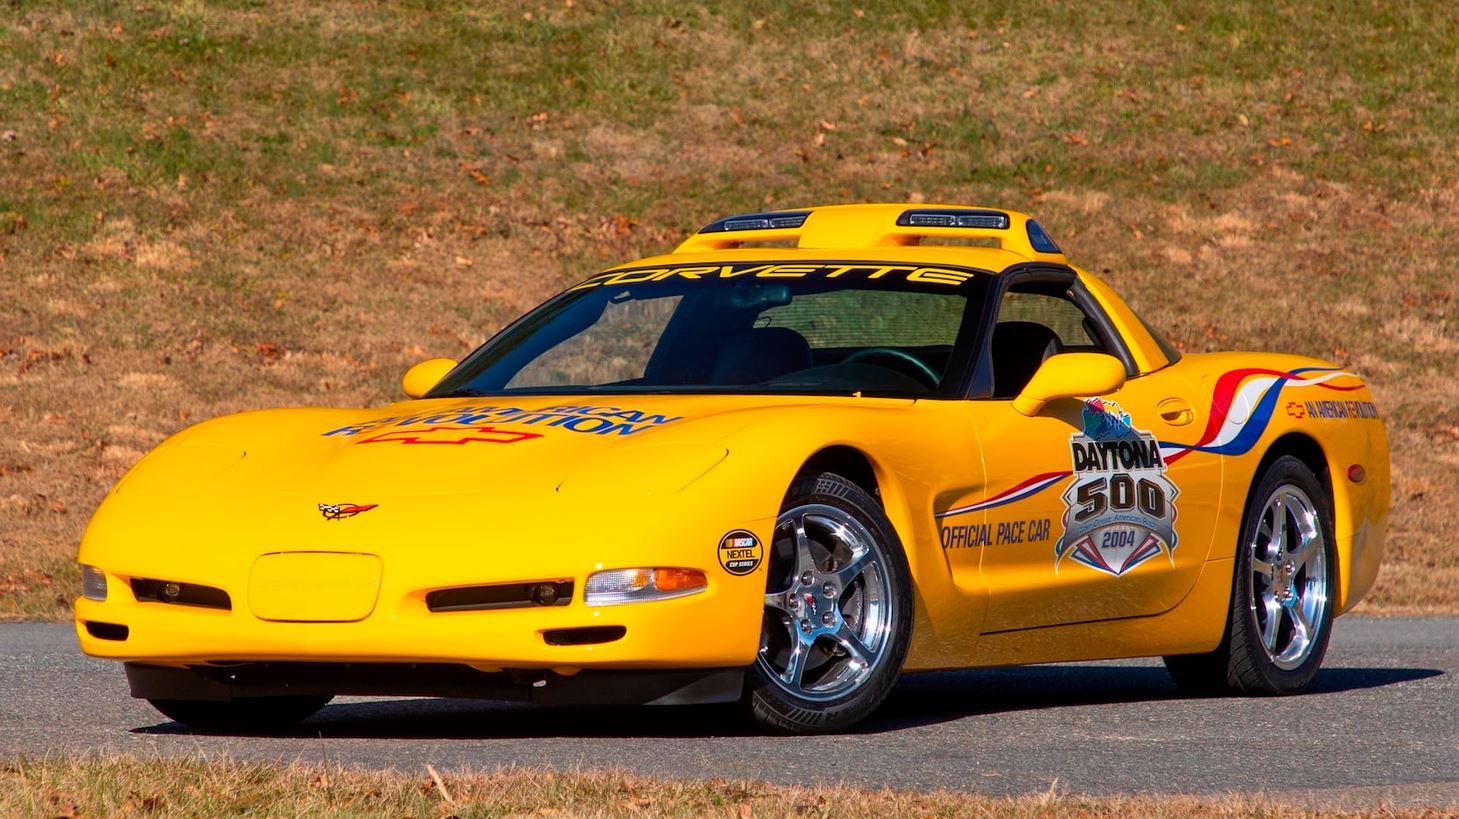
1264	529
794	671
843	576
1299	619
851	642
1303	553
1278	543
1262	568
1273	621
804	560
776	600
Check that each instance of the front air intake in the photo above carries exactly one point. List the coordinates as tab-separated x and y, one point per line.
585	636
107	631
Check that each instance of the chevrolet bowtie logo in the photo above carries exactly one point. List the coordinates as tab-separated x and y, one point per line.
451	435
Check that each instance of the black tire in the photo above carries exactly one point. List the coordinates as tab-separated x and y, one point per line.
1245	663
861	626
247	714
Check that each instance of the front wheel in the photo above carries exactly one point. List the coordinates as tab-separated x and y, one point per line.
838	610
247	714
1281	597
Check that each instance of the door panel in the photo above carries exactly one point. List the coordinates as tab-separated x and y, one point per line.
1085	516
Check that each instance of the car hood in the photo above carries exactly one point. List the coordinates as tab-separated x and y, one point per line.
466	445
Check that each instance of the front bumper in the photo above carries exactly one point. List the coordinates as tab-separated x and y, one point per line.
129	539
684	632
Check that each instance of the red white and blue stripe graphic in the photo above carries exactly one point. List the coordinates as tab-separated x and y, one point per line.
1241	409
1027	489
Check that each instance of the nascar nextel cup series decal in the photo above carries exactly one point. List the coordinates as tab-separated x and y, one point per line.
1120	506
740	552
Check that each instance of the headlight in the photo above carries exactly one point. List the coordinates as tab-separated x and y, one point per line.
639	585
93	583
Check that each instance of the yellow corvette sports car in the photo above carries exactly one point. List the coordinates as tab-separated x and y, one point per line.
803	453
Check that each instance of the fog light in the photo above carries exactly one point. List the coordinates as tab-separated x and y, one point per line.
93	583
544	594
639	585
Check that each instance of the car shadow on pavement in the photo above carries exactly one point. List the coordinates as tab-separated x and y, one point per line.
922	699
917	700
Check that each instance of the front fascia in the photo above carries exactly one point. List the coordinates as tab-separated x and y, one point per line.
520	539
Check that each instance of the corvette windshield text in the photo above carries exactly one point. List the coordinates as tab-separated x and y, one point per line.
574	418
871	272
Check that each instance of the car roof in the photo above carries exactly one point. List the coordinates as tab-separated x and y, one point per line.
878	231
890	232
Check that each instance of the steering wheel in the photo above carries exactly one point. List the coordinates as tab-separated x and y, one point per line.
923	372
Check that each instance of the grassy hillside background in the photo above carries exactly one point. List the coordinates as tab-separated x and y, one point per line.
210	207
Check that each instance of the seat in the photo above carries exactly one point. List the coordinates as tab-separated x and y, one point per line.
760	354
1019	348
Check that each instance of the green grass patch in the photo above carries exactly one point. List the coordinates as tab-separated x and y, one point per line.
223	206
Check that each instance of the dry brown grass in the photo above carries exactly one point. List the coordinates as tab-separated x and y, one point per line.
208	208
127	786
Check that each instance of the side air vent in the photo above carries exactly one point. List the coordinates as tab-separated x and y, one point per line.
147	590
501	596
586	636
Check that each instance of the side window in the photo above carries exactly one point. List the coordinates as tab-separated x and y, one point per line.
1057	313
1031	327
615	349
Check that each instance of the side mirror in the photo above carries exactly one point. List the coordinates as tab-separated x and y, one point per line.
422	377
1070	375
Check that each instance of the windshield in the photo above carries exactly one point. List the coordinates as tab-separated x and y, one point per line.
744	327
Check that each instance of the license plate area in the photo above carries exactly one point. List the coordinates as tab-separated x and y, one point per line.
314	587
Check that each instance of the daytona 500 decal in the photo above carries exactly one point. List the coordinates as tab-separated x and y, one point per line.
1120	507
1242	406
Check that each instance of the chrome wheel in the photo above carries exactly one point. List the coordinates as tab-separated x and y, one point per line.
1288	582
1280	617
828	608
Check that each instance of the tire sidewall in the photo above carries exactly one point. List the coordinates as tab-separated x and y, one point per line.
778	708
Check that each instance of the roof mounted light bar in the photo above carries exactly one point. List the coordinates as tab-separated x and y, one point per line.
776	220
926	217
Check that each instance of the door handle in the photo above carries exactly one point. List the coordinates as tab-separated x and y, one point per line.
1176	412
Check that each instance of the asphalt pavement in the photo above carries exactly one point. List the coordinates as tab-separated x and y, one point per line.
1380	725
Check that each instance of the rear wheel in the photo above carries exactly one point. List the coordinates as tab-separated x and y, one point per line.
250	713
1281	598
838	610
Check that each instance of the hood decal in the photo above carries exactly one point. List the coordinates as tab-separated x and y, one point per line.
449	435
591	420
